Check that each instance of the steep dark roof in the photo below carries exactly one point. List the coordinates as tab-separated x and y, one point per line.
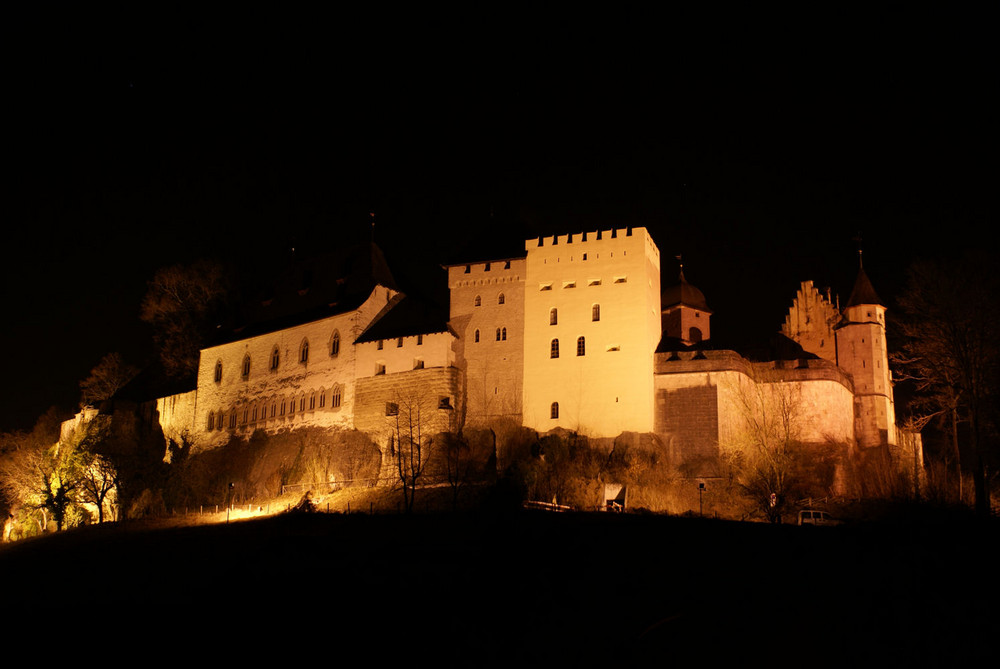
408	317
683	293
863	292
309	290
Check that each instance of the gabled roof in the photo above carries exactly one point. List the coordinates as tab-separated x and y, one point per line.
309	290
409	317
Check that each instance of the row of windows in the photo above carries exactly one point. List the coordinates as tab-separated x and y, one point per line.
418	363
276	357
595	314
500	300
274	409
581	347
590	282
501	335
399	342
392	408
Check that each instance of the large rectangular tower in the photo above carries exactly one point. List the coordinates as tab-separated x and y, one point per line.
591	326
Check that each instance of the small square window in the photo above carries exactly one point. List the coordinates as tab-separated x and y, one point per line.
444	403
391	409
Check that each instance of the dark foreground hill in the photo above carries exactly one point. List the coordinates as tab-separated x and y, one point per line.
525	588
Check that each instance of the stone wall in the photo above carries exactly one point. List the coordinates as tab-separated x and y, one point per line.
429	393
487	314
316	391
176	414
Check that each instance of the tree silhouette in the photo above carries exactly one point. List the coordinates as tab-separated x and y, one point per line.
181	304
950	351
110	374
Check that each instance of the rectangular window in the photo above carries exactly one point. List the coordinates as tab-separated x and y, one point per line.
444	403
391	409
418	364
379	368
420	340
545	286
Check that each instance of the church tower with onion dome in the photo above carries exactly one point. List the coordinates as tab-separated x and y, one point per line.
684	313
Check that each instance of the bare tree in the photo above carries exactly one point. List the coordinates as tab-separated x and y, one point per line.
107	378
950	326
412	447
98	483
760	452
181	303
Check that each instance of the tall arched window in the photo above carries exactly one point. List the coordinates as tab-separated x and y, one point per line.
554	349
477	336
554	410
503	334
335	344
595	313
553	316
581	346
498	334
218	371
479	301
335	397
500	299
304	351
275	358
211	421
246	366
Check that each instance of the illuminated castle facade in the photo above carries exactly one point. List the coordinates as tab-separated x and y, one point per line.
575	334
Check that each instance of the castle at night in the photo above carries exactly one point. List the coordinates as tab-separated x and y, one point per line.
577	333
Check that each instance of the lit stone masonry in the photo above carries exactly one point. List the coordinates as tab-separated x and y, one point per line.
280	390
487	313
576	334
591	325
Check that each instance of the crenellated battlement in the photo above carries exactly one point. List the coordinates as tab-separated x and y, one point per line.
579	238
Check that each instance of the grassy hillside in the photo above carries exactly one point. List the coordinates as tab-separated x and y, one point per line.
481	589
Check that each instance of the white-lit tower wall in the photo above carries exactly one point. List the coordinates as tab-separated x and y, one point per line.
591	327
862	352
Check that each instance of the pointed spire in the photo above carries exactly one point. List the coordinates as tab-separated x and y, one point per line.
864	292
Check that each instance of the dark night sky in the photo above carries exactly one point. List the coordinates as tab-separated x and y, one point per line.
757	154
